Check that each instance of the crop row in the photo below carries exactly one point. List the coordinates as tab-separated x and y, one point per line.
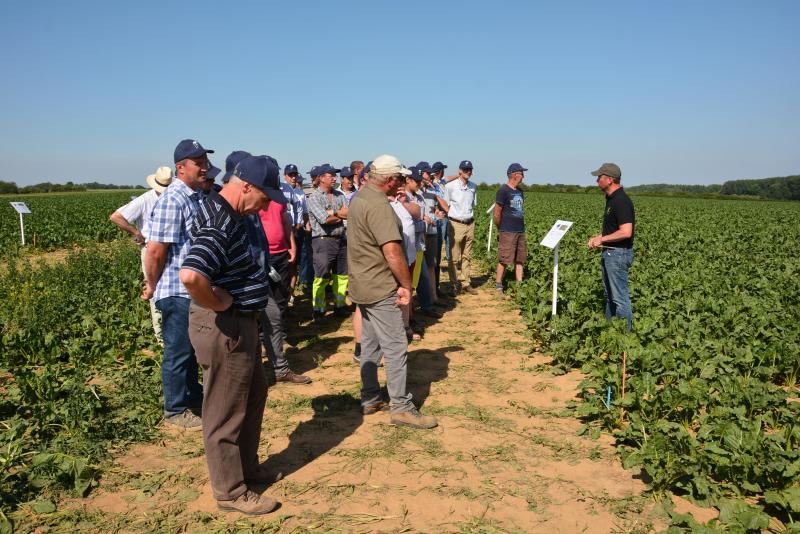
713	362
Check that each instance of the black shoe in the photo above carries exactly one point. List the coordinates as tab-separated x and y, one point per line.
318	317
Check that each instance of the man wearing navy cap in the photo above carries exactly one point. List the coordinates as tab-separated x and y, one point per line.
347	187
298	212
327	212
461	197
509	217
228	290
231	161
167	246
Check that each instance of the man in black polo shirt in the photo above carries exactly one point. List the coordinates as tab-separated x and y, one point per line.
616	241
228	290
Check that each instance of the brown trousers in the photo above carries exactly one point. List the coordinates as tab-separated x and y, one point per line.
235	393
461	236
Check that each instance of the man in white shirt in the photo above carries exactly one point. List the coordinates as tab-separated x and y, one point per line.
461	197
134	218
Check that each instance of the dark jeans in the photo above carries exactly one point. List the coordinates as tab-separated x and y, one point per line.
615	264
305	265
179	369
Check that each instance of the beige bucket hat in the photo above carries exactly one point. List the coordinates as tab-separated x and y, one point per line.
161	179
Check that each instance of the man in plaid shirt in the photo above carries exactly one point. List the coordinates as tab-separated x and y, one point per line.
167	246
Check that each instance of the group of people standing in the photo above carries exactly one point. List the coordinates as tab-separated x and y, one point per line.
221	264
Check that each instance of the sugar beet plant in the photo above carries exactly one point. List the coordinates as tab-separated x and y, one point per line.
711	393
74	384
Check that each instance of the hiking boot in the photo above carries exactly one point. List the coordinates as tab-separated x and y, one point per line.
413	419
250	503
185	421
471	290
294	378
380	406
433	314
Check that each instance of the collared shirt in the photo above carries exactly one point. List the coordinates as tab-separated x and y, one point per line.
619	211
420	226
409	234
221	252
462	199
429	195
318	203
170	223
137	212
296	202
348	195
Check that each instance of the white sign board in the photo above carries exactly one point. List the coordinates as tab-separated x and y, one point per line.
555	234
21	207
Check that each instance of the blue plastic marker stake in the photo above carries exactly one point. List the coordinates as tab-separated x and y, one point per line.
608	399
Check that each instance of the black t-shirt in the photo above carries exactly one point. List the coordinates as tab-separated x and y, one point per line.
512	219
619	210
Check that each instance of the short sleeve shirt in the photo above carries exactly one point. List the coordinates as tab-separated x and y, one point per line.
512	218
272	221
137	212
409	234
291	203
462	199
372	224
171	223
619	211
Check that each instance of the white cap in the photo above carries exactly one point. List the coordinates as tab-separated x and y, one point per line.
386	165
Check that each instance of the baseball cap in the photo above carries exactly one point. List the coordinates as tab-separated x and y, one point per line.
465	165
313	172
515	167
189	148
262	172
346	172
230	163
416	173
212	172
438	167
291	169
327	168
386	165
609	169
365	170
423	166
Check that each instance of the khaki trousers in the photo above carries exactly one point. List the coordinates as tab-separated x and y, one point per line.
234	395
461	237
155	314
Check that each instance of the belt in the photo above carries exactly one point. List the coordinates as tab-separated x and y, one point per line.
462	221
329	237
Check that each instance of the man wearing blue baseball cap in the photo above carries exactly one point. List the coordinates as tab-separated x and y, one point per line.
327	212
298	212
168	243
228	290
509	217
347	187
461	197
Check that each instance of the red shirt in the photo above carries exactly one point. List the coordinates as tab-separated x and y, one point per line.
272	220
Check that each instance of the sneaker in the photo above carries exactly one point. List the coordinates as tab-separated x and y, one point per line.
471	290
250	503
413	419
412	336
380	406
291	301
294	378
185	421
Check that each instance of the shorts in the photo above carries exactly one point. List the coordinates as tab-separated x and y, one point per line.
431	244
512	249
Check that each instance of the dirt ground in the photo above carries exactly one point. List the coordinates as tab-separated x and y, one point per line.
505	457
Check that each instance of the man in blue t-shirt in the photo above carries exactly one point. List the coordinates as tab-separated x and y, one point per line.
509	216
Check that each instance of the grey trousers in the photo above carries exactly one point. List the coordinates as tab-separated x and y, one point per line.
383	332
273	330
235	393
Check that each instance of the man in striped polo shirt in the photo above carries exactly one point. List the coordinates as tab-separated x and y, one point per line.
228	290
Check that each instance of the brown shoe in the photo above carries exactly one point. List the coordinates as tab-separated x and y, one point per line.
380	406
413	419
250	503
294	378
262	476
471	290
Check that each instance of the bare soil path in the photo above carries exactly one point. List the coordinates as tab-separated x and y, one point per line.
505	458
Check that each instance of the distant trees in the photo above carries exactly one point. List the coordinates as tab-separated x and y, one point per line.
785	188
48	187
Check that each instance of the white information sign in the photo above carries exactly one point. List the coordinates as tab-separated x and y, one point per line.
551	240
21	207
555	234
491	223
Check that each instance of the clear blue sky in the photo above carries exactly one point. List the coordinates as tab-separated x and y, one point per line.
673	91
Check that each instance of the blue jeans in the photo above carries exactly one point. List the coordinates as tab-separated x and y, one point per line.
615	264
179	369
441	227
305	269
424	287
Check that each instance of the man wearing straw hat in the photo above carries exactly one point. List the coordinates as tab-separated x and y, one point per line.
134	218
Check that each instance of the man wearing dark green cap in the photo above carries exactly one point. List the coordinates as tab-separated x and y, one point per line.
616	243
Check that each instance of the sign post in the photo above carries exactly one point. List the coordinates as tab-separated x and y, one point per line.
491	224
22	209
551	240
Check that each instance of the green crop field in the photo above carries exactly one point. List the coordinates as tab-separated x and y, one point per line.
713	363
62	219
